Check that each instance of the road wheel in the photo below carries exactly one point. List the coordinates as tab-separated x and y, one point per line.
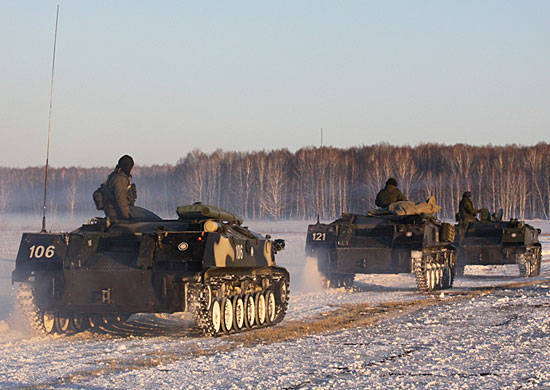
261	309
118	318
348	281
250	311
537	260
523	265
227	314
447	278
79	322
271	306
238	313
433	277
428	272
49	322
527	266
106	320
64	323
437	277
216	317
95	321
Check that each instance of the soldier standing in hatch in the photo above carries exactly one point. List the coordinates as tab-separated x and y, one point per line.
466	211
119	194
389	194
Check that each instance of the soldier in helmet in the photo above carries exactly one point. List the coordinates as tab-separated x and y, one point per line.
389	194
466	211
119	194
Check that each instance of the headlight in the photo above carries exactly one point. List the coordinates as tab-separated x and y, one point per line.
513	235
409	234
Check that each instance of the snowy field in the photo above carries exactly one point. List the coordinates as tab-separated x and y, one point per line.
468	337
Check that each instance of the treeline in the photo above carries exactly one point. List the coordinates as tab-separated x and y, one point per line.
325	181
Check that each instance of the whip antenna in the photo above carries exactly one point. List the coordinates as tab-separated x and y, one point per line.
44	207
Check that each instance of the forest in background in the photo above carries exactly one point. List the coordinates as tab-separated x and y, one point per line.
326	181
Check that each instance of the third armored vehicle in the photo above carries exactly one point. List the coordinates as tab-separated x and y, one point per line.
381	244
204	262
492	241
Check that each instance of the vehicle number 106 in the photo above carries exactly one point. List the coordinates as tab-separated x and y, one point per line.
39	251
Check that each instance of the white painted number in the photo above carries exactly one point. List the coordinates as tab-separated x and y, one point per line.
40	251
239	252
319	236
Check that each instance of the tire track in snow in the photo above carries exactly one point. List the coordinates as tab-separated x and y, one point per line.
346	317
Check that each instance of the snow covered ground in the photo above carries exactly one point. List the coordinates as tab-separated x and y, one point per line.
494	339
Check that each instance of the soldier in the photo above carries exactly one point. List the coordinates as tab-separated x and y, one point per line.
119	195
466	211
485	216
389	194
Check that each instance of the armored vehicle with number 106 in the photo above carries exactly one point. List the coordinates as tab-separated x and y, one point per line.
204	262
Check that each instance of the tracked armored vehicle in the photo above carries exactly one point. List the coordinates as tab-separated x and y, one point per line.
204	262
383	244
492	241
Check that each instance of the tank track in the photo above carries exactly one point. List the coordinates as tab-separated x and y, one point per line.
210	300
329	279
529	262
58	323
435	269
28	308
337	280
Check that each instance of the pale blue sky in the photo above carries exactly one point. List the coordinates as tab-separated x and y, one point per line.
158	79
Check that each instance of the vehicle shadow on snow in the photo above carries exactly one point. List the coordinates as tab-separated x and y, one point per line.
370	287
488	277
144	325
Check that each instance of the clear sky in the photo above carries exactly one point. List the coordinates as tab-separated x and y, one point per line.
157	79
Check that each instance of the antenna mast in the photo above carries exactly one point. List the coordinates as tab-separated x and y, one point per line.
321	137
44	207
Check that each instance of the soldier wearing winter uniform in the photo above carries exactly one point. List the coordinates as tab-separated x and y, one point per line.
466	211
389	194
119	194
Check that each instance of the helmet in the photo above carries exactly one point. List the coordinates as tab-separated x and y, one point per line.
126	163
391	181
